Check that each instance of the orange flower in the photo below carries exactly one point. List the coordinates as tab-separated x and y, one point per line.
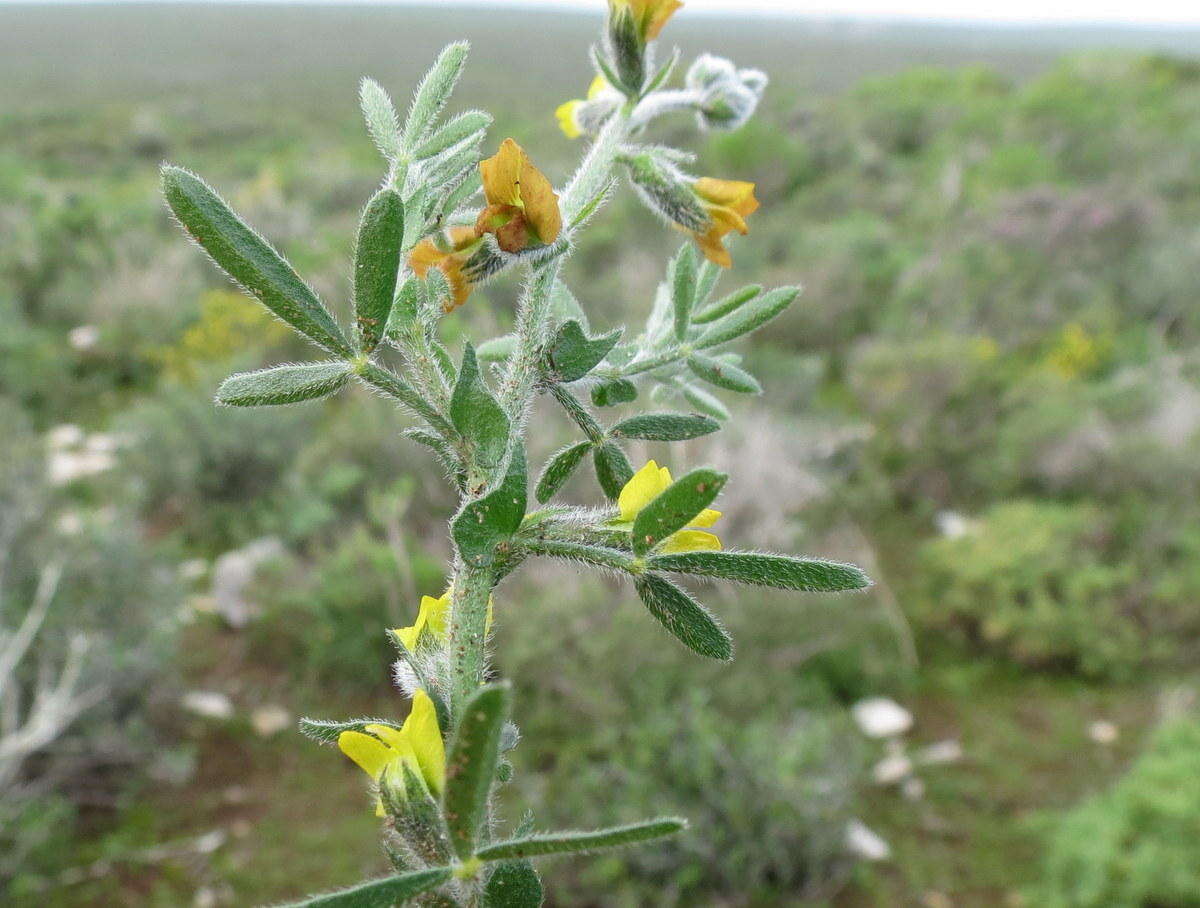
522	205
728	203
463	241
649	15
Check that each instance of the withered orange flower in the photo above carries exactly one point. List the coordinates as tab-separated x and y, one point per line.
522	210
463	241
649	15
728	203
522	205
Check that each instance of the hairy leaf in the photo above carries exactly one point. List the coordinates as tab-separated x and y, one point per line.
433	92
573	354
613	392
675	508
683	289
570	842
559	468
613	469
476	414
780	571
684	617
723	375
748	317
326	731
482	524
249	259
705	402
283	384
459	129
381	119
665	427
376	265
497	349
513	884
380	893
471	765
726	305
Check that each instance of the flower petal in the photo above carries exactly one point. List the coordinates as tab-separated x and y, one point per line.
541	203
421	728
565	113
690	541
705	518
643	488
502	174
371	754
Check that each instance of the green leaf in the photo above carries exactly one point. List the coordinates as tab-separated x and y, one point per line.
683	288
748	317
613	469
326	731
665	427
513	884
476	414
471	765
433	92
571	842
724	306
406	308
684	617
461	128
376	265
497	349
675	508
705	402
706	280
559	468
482	524
808	575
565	306
723	374
380	893
249	259
614	391
381	119
573	354
283	384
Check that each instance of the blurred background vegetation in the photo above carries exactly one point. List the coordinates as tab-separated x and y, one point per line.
989	396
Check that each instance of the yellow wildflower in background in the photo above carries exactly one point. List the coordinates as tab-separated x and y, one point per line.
647	484
463	241
649	16
567	112
433	618
728	203
417	744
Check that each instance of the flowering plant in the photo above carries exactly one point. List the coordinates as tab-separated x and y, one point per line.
425	244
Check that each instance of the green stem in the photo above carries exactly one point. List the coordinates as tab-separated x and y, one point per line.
578	412
468	633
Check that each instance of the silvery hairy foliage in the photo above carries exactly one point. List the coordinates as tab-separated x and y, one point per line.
426	242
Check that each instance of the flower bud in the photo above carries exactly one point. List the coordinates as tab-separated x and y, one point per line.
666	191
729	96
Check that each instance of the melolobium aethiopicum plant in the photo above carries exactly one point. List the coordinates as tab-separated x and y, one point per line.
425	243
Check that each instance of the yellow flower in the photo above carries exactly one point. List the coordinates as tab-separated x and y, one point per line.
417	744
522	204
728	203
463	241
649	15
566	113
434	618
647	484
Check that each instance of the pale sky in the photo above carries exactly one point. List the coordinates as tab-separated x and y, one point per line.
1130	12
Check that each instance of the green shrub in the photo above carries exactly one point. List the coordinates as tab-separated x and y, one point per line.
1136	844
1036	581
